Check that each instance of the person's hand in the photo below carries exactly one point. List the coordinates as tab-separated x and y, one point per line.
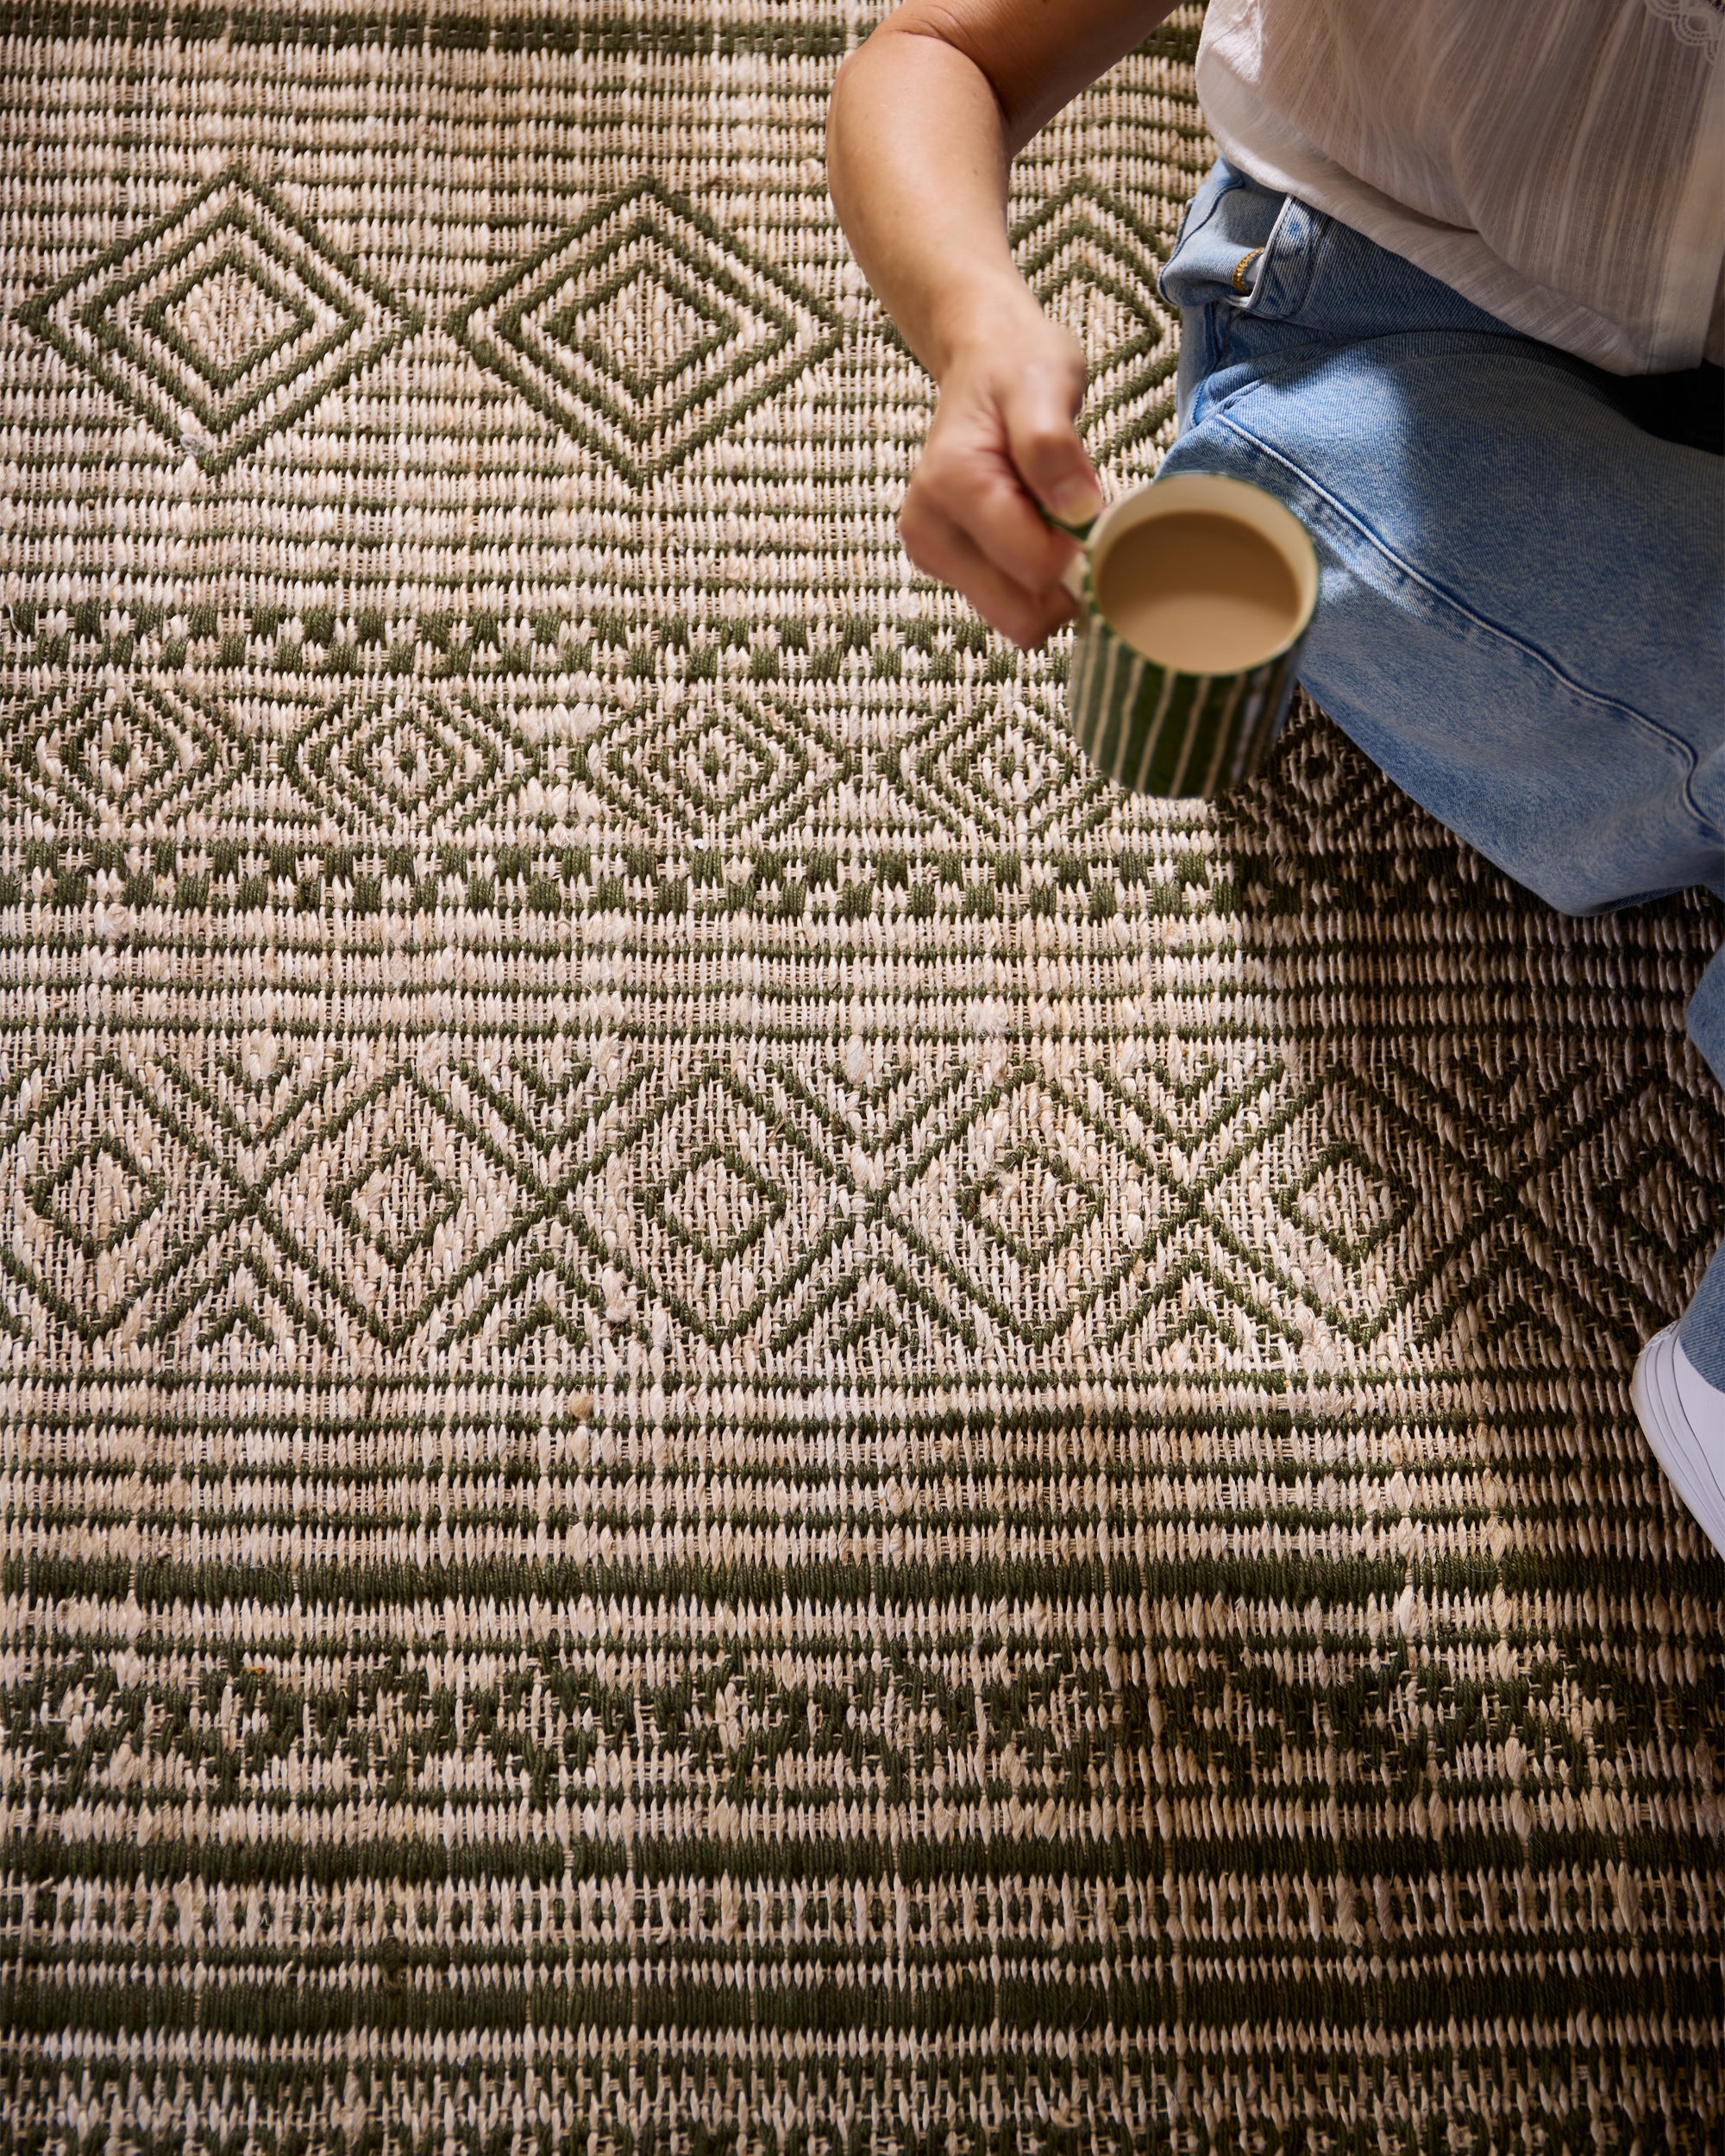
1003	434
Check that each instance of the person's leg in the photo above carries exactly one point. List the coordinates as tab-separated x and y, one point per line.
1521	614
1702	1328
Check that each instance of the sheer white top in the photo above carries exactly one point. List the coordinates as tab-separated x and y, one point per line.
1561	165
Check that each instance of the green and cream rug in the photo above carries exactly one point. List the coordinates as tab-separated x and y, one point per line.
733	1418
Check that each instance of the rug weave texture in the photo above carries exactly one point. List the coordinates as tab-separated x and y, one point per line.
733	1416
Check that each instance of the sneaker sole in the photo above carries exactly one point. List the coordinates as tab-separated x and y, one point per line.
1653	1394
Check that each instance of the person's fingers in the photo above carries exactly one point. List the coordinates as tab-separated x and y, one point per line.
1037	406
940	548
1002	442
1015	448
966	476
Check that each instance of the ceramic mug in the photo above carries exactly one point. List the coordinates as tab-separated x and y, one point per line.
1197	592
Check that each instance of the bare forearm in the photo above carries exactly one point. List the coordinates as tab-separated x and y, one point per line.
917	157
926	119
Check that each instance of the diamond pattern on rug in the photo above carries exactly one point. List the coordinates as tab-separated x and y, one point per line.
392	1205
717	769
222	322
120	754
715	1203
410	759
1093	261
644	330
226	317
1010	1205
1349	1207
111	1192
1022	778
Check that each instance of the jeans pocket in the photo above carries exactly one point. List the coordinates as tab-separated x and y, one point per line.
1187	260
1222	240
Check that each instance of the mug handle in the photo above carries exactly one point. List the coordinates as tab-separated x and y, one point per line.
1075	577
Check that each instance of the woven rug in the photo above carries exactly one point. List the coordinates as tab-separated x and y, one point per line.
735	1418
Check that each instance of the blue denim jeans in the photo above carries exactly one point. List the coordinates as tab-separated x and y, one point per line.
1521	611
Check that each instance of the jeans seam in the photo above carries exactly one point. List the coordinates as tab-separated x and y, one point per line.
1232	187
1686	756
1232	311
1318	226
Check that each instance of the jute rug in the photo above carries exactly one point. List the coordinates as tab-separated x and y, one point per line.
736	1419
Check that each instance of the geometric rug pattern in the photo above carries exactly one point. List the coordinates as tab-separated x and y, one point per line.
733	1415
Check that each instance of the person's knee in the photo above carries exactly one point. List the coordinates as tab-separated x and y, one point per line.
1565	887
1581	880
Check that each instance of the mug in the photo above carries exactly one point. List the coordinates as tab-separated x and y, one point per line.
1197	592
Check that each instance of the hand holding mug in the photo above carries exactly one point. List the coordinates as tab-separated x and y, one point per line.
1192	595
1002	448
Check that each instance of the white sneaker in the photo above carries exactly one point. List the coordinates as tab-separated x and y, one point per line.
1683	1418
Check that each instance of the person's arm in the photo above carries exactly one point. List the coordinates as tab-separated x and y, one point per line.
926	119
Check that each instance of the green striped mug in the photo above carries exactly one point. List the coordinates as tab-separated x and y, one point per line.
1197	593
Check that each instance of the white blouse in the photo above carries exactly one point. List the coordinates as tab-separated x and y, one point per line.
1561	165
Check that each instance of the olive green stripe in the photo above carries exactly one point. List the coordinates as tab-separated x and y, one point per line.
1225	733
281	1861
1691	1995
362	1586
1141	1856
879	1957
403	2055
954	1408
1152	725
112	1491
597	1504
781	35
1334	1581
1102	1013
912	1987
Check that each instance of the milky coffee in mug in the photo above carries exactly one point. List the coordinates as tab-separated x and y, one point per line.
1197	593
